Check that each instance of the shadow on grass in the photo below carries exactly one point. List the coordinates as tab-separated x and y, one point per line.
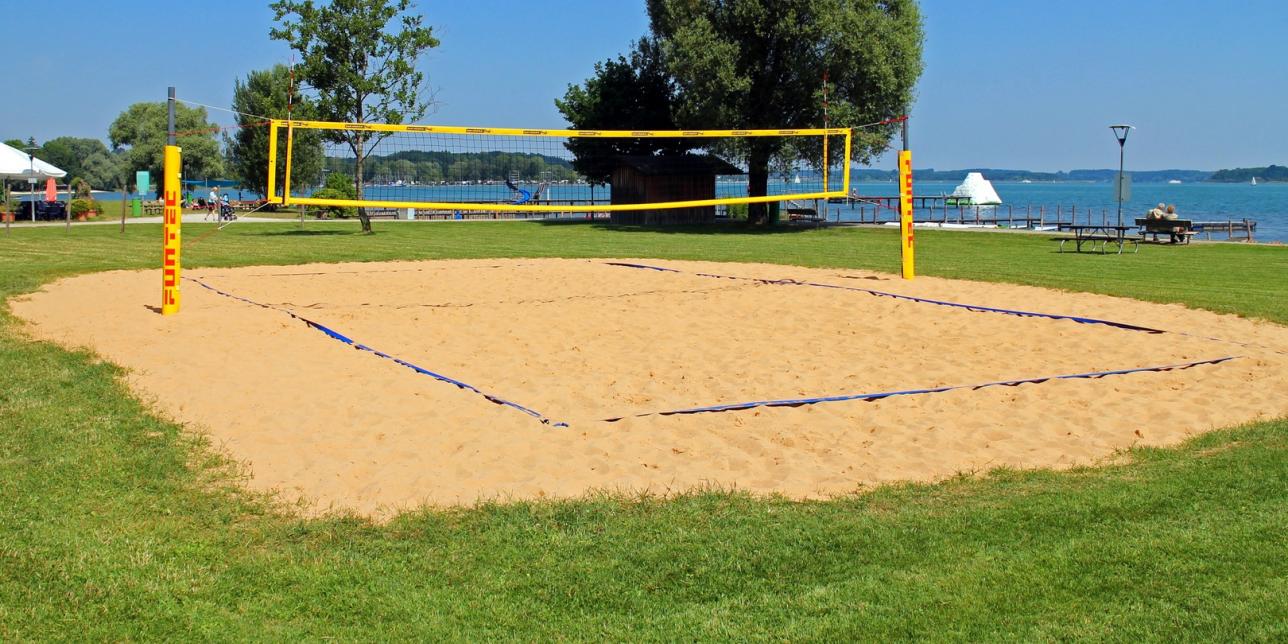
722	228
303	233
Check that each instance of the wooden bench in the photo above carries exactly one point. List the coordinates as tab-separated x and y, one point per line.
803	214
1179	230
382	213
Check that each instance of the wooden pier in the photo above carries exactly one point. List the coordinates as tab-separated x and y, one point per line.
1229	227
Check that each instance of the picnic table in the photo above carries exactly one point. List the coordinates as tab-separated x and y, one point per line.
1102	234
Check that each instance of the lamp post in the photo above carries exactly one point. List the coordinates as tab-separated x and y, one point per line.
31	180
1120	133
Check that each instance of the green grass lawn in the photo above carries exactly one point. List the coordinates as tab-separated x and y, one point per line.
117	525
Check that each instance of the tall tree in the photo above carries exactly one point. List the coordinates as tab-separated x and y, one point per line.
266	94
633	93
104	170
83	158
359	56
141	130
750	64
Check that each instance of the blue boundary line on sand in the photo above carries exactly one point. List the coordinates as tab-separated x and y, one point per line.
792	402
336	335
797	402
910	298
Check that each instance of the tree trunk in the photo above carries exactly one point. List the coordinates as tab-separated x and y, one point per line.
757	184
357	183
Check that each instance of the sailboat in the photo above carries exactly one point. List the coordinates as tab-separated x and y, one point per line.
1254	181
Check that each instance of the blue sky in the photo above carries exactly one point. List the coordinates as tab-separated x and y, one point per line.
1007	84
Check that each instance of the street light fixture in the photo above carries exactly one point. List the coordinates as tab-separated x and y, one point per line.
31	180
1120	133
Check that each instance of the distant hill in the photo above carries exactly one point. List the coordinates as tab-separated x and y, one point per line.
998	174
1245	175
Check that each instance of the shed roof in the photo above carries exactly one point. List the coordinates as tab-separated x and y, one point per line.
678	164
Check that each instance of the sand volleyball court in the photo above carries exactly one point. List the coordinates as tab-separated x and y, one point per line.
547	352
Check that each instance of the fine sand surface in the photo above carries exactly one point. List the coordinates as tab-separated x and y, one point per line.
581	341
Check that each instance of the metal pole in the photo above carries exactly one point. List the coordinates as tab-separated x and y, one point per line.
1122	146
31	183
170	134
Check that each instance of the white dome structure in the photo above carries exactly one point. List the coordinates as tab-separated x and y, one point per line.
976	191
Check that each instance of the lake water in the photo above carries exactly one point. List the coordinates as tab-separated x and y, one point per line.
1267	204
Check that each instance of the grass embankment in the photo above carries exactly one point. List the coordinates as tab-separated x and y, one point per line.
116	525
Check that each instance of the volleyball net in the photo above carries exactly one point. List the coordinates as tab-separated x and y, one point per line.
442	168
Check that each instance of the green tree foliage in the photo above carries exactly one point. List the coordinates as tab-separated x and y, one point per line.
265	94
80	188
759	64
633	93
84	158
359	56
17	144
105	170
141	130
435	166
338	185
1269	173
429	172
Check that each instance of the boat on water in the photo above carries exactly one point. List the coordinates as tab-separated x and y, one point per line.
1254	181
974	191
1174	181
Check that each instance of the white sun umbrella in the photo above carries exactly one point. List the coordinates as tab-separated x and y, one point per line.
16	164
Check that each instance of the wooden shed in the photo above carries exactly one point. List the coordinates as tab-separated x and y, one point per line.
653	179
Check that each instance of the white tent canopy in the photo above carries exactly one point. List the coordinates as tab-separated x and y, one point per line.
978	190
16	164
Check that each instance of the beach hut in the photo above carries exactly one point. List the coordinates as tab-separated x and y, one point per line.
677	177
974	191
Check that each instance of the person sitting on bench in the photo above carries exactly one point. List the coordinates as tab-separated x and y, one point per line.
1170	215
1157	213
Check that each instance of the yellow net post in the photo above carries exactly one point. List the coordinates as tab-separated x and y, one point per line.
826	160
171	236
171	218
272	163
906	237
286	178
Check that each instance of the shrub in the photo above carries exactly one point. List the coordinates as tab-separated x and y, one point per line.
337	211
81	206
81	189
341	184
738	212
